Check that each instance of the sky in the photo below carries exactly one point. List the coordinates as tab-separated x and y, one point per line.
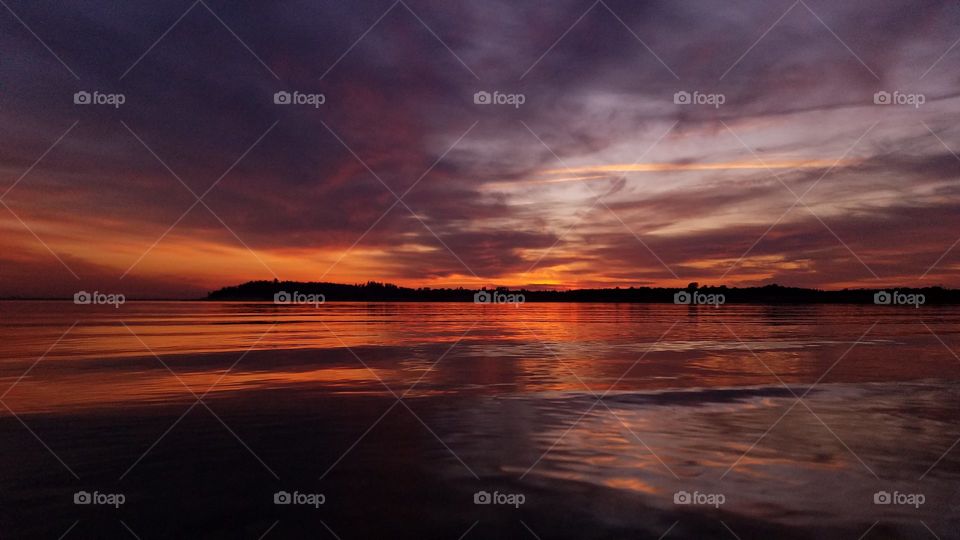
547	144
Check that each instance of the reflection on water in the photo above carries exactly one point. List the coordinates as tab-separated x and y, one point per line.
637	401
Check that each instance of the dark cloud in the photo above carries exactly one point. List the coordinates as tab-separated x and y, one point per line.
399	98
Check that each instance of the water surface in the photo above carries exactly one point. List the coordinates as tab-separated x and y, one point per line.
599	414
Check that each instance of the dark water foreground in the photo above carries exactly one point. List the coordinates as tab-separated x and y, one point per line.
591	421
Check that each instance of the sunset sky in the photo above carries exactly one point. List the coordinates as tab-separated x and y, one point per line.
597	179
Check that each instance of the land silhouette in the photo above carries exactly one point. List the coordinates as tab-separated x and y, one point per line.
373	291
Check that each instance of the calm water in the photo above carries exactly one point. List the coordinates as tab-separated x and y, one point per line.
597	415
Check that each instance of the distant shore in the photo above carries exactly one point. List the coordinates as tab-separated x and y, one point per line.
299	292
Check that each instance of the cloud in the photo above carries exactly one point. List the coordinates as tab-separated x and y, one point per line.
399	119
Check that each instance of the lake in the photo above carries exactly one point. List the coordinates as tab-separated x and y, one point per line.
448	420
